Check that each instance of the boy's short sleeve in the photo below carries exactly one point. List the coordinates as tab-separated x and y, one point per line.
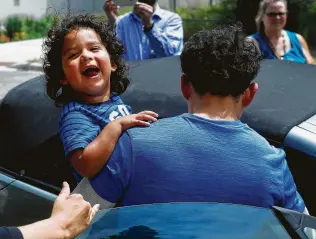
76	131
112	181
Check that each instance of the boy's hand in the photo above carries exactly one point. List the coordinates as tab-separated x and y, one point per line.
140	119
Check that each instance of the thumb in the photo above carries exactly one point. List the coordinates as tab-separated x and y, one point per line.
65	191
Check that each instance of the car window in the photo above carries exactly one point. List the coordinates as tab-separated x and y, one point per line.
186	220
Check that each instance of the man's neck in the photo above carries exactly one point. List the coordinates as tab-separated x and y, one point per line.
215	107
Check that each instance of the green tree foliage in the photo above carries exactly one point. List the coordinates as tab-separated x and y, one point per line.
206	16
25	27
13	24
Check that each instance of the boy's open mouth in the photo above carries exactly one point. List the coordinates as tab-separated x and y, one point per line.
91	71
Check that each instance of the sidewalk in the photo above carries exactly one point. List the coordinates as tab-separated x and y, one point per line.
24	55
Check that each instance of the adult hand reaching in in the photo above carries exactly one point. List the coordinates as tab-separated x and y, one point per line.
71	215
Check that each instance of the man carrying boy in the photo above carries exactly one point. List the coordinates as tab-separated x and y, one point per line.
208	154
148	31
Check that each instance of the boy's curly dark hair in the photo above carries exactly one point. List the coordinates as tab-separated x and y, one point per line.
220	61
53	45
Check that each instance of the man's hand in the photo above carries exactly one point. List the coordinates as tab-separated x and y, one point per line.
72	212
140	119
111	10
145	12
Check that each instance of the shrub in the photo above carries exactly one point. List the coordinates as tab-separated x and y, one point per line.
27	27
307	23
206	16
4	38
13	24
37	28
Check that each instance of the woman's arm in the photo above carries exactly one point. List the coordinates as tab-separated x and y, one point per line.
306	51
71	215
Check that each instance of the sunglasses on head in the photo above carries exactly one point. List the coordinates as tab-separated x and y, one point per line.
274	14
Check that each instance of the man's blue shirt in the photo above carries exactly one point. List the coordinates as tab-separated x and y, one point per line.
191	159
165	38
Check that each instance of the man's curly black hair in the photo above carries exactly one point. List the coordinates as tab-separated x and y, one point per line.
53	45
220	61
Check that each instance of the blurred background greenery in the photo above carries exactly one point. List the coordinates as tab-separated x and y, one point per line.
26	27
301	19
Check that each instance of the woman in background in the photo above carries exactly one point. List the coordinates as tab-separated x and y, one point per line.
275	42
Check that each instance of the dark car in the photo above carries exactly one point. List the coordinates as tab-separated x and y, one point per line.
198	220
33	166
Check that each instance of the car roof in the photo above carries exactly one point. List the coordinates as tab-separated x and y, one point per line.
285	97
29	119
186	220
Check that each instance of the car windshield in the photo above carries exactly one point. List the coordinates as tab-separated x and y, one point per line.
186	220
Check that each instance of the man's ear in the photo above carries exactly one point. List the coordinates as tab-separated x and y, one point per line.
186	87
249	94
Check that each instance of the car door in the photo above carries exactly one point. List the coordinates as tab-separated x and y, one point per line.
22	203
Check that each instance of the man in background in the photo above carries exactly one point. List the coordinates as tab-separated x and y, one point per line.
148	31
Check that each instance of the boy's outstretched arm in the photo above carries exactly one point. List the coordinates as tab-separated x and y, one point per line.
89	161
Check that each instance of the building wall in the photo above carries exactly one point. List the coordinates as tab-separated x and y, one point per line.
96	6
78	6
57	6
35	8
167	4
38	8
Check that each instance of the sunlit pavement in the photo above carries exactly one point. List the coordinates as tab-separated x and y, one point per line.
20	51
9	78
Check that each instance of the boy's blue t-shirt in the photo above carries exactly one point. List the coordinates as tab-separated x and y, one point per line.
80	124
191	159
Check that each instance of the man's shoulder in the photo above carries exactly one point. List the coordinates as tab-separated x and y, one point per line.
261	144
168	14
158	127
124	17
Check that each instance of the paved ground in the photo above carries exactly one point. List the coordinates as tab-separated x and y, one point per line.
20	51
9	78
